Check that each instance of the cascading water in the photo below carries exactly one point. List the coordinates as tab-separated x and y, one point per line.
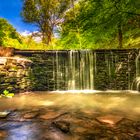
85	70
138	65
90	70
77	69
136	82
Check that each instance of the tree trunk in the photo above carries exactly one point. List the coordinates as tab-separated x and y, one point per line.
47	36
120	36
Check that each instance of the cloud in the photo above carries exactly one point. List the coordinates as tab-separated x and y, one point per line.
37	39
26	33
36	35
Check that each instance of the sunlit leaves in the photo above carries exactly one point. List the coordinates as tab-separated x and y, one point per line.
103	23
8	34
46	14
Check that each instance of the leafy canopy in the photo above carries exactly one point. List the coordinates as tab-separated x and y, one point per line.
8	34
46	14
101	23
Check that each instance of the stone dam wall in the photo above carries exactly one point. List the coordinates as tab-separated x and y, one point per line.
14	74
70	70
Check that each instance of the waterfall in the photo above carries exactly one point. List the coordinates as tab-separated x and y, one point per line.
136	82
77	69
80	70
93	70
84	69
138	65
59	68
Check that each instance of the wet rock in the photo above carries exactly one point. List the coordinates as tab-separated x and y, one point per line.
89	112
91	123
3	134
115	138
56	135
50	115
62	125
137	136
128	126
30	115
80	130
15	116
105	138
89	137
10	125
124	136
126	122
110	119
4	114
136	125
109	138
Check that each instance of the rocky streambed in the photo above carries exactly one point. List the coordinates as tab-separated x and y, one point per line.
45	116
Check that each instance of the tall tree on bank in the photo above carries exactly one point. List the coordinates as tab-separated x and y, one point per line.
112	17
46	14
71	29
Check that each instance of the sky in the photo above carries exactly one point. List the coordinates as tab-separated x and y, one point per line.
10	10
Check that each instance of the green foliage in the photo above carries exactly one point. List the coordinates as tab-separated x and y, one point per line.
8	34
82	24
46	14
101	24
7	94
9	37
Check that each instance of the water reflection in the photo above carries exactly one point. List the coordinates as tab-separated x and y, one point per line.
23	131
103	101
46	103
78	109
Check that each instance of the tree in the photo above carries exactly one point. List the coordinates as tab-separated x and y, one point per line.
104	21
71	36
8	34
45	14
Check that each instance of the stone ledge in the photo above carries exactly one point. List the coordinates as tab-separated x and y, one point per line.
4	60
